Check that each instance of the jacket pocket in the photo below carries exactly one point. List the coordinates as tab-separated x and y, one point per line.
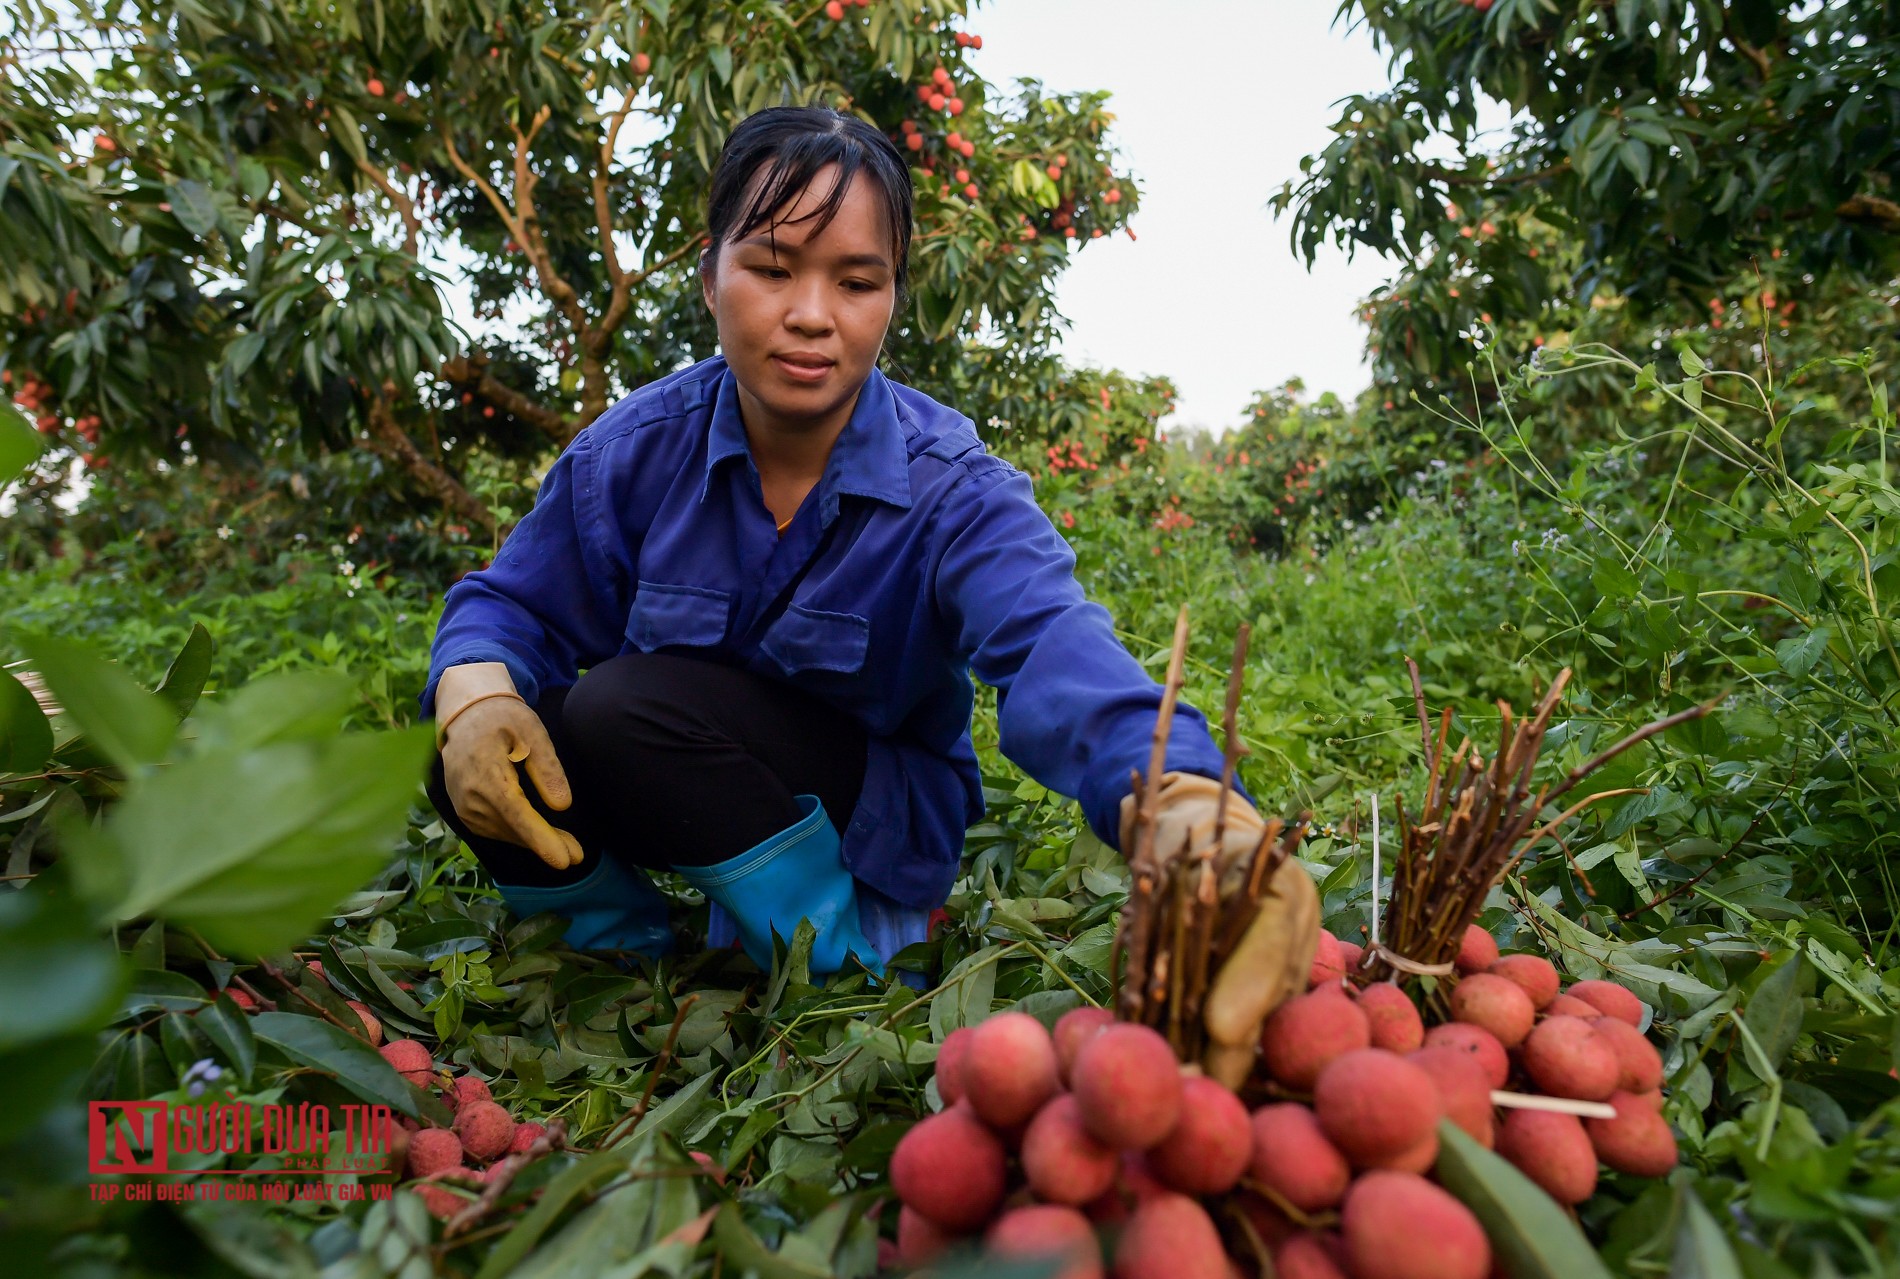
664	615
806	639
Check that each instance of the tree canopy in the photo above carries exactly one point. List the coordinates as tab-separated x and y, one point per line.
1658	152
233	224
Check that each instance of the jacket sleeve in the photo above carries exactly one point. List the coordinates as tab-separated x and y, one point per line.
1075	709
549	605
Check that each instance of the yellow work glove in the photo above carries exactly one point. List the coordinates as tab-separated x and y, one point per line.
1274	955
1184	821
486	728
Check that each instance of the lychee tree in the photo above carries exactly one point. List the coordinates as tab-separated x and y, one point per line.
1658	150
230	228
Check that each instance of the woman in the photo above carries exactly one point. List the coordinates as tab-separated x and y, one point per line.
782	717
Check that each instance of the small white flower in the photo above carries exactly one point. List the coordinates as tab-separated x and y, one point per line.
224	532
346	568
1517	547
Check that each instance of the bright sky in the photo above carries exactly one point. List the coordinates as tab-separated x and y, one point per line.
1215	103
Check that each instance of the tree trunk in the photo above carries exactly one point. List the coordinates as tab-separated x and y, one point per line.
389	441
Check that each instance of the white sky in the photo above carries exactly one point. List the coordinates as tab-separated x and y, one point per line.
1215	103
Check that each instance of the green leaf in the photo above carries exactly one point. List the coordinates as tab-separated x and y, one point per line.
574	1181
226	1026
1776	1009
185	677
1532	1237
193	206
254	847
313	1042
1799	653
26	738
60	979
20	444
131	726
970	989
1613	579
1702	1251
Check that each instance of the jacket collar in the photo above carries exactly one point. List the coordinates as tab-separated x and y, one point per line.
868	459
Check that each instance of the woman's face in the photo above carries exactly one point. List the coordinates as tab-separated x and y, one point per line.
801	326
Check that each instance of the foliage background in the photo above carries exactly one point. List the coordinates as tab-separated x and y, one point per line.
1572	458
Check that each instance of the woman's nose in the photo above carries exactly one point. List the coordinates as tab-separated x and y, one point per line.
809	307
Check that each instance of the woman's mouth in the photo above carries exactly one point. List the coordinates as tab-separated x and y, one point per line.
802	372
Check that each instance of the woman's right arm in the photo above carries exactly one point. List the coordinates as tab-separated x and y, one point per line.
551	603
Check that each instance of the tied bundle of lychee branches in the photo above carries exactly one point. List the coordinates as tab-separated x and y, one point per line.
1177	928
1475	825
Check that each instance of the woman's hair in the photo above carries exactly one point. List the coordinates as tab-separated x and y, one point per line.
796	142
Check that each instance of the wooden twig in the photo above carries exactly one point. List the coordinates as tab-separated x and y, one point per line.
631	1120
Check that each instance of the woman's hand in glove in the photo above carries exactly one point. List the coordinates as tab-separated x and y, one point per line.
1271	962
1184	820
490	734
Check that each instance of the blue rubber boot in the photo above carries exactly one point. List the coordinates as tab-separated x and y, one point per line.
793	875
614	907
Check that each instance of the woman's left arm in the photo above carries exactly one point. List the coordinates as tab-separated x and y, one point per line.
1076	711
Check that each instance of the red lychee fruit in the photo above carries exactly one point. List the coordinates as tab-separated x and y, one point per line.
465	1089
372	1028
1292	1157
1052	1231
1610	999
1308	1256
919	1239
1128	1085
1640	1068
1351	953
1496	1004
1009	1069
1210	1144
1375	1105
411	1060
1328	963
1062	1163
1170	1234
1392	1017
1570	1006
1565	1057
1477	951
485	1129
1532	973
1463	1087
1399	1226
433	1150
950	1168
1479	1043
1309	1031
950	1057
525	1135
642	64
1637	1141
834	10
441	1202
1552	1150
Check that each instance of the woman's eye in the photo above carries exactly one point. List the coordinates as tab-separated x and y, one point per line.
770	272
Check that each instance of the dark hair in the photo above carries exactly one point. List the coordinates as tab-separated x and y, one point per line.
797	142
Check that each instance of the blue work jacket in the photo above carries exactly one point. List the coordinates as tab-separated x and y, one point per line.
918	559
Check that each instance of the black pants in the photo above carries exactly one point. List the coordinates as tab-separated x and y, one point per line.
676	761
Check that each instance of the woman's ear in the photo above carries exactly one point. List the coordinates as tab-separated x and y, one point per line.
707	264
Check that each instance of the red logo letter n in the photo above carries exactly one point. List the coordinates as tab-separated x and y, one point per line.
118	1129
